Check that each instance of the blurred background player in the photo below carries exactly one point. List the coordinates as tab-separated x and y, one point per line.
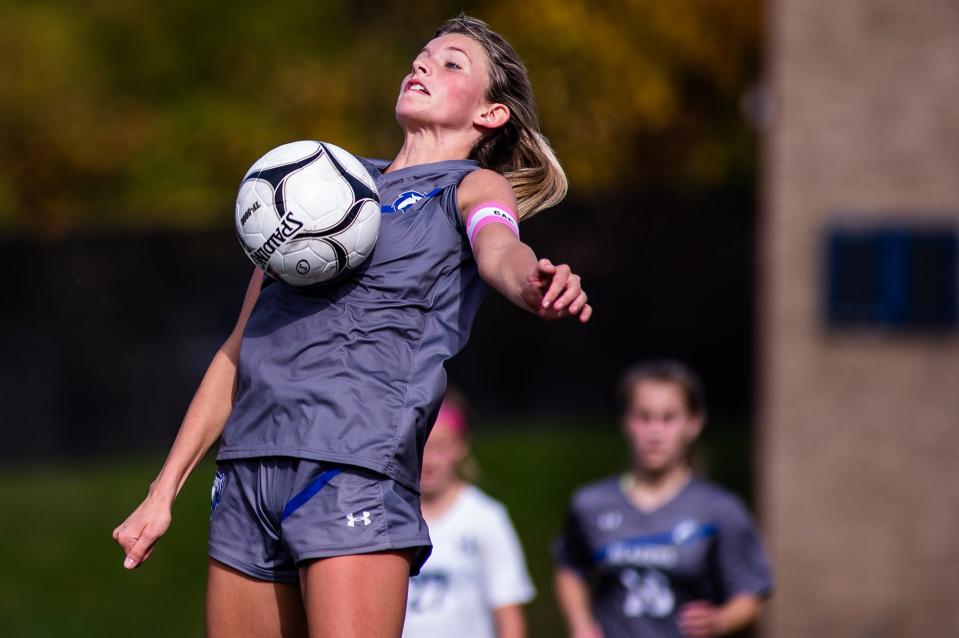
658	551
475	582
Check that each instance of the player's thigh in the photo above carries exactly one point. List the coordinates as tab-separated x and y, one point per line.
359	596
239	606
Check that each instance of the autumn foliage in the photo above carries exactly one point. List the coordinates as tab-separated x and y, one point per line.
128	114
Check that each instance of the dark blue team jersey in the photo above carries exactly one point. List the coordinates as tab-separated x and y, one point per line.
645	565
354	372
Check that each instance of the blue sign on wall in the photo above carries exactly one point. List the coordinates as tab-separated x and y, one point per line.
894	277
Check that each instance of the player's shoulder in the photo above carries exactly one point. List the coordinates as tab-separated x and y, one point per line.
482	185
706	489
478	512
717	499
483	177
597	494
377	164
480	504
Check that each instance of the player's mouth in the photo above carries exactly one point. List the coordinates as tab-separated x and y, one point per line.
652	450
417	86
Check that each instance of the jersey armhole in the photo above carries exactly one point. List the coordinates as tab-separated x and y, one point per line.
451	206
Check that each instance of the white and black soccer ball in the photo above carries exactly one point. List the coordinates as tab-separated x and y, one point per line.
307	213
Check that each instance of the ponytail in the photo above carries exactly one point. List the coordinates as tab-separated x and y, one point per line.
517	150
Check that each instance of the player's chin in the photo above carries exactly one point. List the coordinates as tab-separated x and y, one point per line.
411	110
405	115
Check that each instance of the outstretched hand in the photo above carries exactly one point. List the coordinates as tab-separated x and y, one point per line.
554	292
699	619
138	534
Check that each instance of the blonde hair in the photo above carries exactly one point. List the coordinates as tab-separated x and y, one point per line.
517	150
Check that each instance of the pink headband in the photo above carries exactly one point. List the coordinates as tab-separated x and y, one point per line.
453	418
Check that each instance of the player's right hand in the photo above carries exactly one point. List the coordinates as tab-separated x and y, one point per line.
553	292
138	534
699	619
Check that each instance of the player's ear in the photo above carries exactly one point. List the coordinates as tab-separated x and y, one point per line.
463	452
492	116
695	426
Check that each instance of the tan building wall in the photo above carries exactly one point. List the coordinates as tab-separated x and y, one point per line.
859	432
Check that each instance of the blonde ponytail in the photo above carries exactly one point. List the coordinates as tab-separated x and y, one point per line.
517	150
542	183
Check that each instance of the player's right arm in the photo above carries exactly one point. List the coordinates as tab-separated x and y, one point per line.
572	593
573	553
201	427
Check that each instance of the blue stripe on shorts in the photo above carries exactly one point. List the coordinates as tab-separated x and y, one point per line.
309	492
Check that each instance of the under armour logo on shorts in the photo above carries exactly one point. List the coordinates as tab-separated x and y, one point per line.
352	519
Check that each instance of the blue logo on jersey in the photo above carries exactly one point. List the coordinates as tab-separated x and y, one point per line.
219	479
469	545
689	530
428	591
406	199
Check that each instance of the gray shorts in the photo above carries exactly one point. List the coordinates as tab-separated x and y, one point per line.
268	515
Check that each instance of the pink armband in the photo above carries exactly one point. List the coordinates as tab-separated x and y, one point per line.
490	213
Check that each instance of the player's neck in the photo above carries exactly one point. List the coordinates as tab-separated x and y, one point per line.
650	490
425	146
434	505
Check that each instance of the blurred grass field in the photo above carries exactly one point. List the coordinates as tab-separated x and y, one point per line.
62	573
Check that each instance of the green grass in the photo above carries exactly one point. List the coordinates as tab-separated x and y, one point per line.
62	573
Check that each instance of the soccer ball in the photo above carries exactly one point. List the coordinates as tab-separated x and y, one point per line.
307	213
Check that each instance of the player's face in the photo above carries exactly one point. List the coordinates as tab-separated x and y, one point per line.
660	426
445	449
446	86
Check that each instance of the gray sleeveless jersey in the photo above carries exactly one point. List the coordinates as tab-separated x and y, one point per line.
353	372
644	566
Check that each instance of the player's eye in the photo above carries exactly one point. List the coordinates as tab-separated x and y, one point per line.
452	65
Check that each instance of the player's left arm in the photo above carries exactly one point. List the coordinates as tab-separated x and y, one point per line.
506	263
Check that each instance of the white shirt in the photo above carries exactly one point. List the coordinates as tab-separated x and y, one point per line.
476	566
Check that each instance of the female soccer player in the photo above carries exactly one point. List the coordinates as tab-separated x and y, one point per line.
323	399
668	553
475	582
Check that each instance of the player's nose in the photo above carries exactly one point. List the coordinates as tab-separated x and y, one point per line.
420	66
